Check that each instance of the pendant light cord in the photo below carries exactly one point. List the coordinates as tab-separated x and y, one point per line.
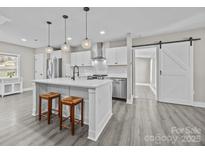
65	31
48	35
86	27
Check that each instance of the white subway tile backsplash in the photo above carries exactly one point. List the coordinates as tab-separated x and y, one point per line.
112	70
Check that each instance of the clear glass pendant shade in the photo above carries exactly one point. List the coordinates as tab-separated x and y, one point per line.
86	43
49	49
65	47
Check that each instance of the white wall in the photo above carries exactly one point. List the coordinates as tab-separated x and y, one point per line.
26	63
199	56
142	70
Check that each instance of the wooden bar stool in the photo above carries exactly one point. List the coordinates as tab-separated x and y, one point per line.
71	101
49	97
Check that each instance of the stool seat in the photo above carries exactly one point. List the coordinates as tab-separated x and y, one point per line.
72	100
50	95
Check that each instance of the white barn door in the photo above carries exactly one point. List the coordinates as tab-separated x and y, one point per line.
176	73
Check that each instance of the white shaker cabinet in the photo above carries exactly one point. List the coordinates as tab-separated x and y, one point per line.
111	56
82	58
116	56
74	60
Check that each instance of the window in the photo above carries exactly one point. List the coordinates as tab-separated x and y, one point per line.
8	65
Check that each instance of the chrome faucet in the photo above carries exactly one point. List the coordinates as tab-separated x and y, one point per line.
74	72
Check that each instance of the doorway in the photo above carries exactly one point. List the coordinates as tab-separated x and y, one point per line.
145	73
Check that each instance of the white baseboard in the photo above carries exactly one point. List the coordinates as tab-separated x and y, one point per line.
27	89
94	136
142	84
194	104
199	104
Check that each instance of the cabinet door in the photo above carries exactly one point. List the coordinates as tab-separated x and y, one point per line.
110	56
81	58
121	55
86	58
74	60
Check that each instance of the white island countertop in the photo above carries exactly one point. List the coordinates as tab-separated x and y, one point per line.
74	83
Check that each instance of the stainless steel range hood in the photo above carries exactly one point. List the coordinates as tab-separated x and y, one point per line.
98	52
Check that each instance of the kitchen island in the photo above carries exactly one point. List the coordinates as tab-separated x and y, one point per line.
97	96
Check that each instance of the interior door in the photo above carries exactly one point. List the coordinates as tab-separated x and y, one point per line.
39	65
176	73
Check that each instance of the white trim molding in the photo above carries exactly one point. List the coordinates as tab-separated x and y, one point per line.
28	89
153	89
199	104
130	101
142	84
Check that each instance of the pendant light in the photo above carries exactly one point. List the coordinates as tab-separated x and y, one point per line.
49	49
65	47
86	43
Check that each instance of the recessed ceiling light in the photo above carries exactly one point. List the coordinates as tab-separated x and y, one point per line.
23	39
69	38
102	32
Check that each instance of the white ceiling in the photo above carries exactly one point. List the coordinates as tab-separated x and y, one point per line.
30	23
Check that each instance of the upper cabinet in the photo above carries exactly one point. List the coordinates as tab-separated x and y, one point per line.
82	58
116	56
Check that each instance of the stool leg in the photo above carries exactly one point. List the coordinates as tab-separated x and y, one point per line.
49	110
61	115
70	114
82	112
59	107
72	119
39	108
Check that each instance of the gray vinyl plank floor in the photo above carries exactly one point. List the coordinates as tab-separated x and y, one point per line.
145	122
144	92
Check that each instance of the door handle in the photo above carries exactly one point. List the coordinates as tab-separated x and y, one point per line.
160	72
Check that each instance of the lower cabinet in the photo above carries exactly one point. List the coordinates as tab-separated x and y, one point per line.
10	86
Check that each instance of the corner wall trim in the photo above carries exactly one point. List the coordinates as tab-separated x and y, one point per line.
153	89
27	89
130	101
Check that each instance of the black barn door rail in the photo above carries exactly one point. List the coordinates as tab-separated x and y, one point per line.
160	42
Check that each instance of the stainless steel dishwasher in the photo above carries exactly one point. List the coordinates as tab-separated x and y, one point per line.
119	88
